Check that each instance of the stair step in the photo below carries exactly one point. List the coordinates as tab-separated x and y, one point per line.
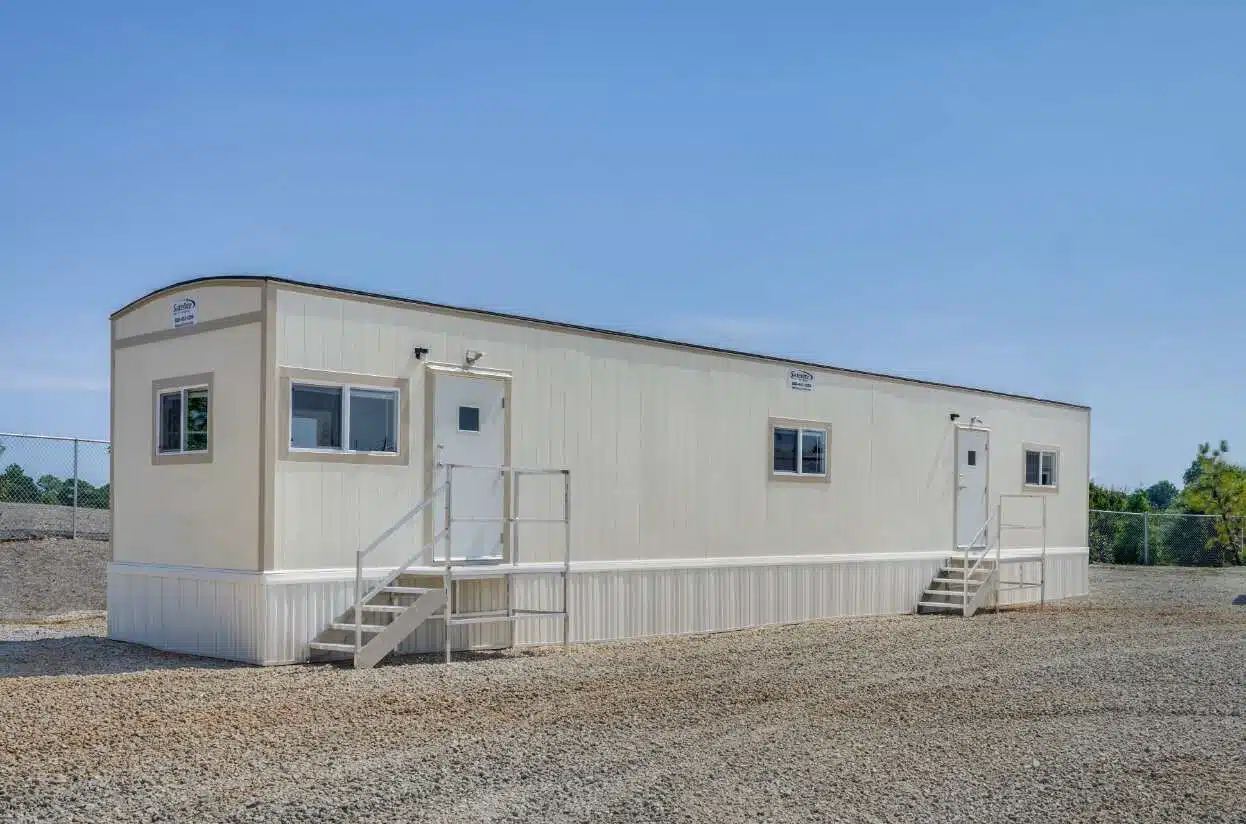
939	605
326	646
362	627
383	608
950	593
973	583
407	590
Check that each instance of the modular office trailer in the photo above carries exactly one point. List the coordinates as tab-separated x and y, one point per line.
266	431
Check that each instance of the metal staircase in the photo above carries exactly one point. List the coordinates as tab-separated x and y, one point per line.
423	587
971	577
968	578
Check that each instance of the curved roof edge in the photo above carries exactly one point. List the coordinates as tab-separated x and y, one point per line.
575	327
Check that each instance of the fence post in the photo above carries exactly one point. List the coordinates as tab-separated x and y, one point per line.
75	511
1146	540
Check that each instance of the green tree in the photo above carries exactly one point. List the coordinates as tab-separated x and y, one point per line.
50	489
1116	538
95	498
16	485
1162	494
89	496
1107	498
1190	476
1219	490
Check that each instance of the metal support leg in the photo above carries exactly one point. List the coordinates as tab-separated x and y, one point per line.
448	582
566	560
1042	580
75	511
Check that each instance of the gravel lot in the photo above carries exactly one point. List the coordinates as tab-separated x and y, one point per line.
1126	707
43	520
52	576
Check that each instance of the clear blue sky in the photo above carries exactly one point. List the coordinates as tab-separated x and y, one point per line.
1037	198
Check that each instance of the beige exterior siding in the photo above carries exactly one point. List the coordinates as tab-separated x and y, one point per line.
667	446
197	514
216	302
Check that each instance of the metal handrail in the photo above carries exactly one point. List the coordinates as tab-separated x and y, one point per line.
966	570
360	554
429	549
1042	527
363	553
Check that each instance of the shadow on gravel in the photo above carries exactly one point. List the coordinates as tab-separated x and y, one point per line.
92	655
477	656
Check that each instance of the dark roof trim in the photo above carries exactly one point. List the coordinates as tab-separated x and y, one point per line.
574	327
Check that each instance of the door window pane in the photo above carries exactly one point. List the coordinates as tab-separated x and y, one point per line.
196	420
469	419
813	452
972	460
315	417
373	420
785	449
171	422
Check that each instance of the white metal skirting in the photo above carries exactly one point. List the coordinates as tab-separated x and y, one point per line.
270	618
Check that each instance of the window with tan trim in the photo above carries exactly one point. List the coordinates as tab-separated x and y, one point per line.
343	417
182	420
1042	467
799	449
183	416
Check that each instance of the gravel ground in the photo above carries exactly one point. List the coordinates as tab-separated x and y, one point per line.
52	576
43	520
1126	707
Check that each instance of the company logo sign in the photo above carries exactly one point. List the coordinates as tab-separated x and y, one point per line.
185	312
800	380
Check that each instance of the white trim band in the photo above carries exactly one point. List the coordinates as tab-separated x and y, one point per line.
290	576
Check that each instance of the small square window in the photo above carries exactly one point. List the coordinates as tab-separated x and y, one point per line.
182	421
1042	467
469	419
799	451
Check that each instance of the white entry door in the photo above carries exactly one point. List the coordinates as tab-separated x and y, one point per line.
971	485
469	427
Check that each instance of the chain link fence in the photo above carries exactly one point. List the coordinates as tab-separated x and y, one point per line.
1170	538
54	487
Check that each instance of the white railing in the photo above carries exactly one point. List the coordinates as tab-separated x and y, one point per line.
980	555
1041	526
425	561
360	555
514	473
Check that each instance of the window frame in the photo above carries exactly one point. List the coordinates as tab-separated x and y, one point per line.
1041	450
289	377
459	422
181	387
344	390
801	427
